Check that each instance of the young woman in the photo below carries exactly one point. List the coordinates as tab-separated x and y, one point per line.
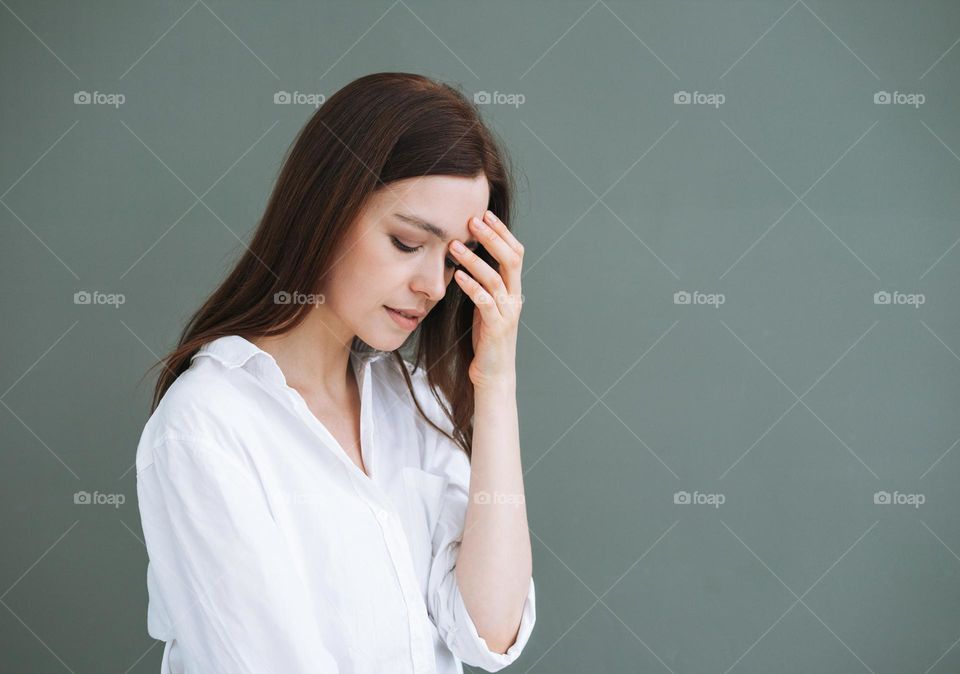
313	501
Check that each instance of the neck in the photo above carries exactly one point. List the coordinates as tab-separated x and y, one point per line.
314	360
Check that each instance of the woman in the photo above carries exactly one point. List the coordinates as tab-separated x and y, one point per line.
311	500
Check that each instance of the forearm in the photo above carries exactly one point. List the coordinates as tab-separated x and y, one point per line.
495	562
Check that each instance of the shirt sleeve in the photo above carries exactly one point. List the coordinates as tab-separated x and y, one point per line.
446	606
235	600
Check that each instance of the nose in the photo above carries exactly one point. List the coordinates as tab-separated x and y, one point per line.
431	280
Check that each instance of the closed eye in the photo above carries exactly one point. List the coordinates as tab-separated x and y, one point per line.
450	263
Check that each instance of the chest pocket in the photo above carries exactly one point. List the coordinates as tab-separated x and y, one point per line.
423	492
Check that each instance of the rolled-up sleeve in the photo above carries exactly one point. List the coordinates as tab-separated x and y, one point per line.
235	600
445	602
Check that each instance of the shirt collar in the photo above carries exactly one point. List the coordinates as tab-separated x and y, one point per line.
234	351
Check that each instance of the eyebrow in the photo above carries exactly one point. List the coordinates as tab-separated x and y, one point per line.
438	232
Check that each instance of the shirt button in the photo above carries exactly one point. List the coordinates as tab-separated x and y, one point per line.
383	515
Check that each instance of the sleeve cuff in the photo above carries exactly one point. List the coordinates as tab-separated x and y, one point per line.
473	647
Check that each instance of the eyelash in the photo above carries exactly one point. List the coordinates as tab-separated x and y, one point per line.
450	264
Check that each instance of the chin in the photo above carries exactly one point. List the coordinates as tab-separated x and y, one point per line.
383	340
384	335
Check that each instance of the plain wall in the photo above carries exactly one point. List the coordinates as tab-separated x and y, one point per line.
782	398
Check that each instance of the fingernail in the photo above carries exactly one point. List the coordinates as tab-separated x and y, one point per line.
459	247
479	224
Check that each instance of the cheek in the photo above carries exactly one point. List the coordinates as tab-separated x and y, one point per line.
353	279
368	259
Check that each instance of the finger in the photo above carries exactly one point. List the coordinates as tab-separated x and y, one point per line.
500	248
488	307
482	272
503	231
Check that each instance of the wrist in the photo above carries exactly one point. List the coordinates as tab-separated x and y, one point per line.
497	386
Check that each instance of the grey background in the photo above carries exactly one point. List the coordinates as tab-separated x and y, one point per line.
797	399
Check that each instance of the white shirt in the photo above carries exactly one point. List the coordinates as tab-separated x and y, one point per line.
271	552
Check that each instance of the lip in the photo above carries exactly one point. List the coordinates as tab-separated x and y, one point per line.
402	321
416	313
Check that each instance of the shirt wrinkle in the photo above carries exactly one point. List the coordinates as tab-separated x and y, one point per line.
271	551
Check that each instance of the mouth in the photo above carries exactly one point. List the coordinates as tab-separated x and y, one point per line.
405	320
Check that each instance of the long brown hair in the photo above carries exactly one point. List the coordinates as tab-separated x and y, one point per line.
377	129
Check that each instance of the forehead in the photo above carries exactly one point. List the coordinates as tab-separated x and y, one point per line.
445	201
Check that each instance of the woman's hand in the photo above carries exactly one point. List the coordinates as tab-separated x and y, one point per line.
498	300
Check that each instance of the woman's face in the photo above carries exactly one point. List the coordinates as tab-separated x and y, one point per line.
387	260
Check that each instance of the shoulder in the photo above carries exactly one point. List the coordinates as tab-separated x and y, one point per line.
200	408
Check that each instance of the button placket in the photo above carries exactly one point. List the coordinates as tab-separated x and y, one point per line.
421	647
276	386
